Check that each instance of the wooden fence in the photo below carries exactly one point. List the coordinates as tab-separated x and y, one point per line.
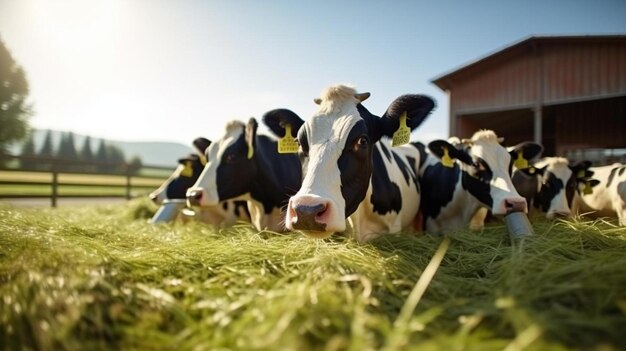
55	178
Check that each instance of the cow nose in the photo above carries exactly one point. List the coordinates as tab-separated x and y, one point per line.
309	217
194	197
516	204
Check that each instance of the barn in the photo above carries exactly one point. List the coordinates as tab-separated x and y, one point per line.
566	92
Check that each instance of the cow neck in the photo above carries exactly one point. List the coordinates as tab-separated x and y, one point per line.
278	176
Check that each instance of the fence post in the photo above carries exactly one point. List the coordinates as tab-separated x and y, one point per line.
55	186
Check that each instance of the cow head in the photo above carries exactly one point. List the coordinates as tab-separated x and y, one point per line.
184	176
230	170
485	166
335	148
558	183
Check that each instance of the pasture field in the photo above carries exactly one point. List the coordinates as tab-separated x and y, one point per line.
101	277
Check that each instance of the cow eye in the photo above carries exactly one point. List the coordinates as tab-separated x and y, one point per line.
230	158
361	143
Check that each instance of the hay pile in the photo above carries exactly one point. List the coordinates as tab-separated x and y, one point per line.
96	278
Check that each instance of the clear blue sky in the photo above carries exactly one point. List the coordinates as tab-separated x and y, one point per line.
173	70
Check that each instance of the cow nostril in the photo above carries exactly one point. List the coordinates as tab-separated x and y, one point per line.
321	212
197	195
309	216
307	210
515	205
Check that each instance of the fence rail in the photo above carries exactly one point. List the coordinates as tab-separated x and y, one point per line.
56	178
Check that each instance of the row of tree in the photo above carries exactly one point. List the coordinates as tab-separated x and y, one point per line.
106	158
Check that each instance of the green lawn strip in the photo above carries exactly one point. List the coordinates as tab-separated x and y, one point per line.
103	278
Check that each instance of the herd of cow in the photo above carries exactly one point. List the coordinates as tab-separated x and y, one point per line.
346	169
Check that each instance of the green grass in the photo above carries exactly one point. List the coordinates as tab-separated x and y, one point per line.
102	278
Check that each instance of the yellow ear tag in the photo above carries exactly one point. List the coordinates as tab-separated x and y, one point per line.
250	151
203	160
521	162
403	134
532	170
187	171
581	174
446	160
287	144
588	189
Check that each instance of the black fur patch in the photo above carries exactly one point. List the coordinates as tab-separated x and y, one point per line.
438	186
551	186
386	195
269	177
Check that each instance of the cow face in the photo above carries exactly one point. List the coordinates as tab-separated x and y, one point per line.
184	176
558	184
230	170
485	166
556	187
335	150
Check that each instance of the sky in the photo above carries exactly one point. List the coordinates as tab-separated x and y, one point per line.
157	70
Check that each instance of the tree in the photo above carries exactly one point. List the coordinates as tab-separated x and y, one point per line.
67	152
85	152
101	155
135	164
87	156
47	150
115	156
28	151
67	148
14	111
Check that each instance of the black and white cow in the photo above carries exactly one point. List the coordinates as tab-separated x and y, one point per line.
457	182
550	185
608	197
522	156
350	172
184	176
244	165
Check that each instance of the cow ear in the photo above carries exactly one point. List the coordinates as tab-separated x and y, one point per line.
444	150
581	169
201	144
593	182
416	107
184	159
527	150
251	136
277	120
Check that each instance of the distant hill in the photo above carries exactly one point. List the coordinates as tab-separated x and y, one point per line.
151	153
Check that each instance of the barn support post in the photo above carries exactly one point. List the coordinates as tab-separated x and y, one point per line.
537	124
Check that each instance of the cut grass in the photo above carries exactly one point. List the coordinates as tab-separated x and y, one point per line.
102	278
